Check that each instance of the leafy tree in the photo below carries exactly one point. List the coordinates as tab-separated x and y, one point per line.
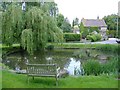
63	23
53	9
40	28
4	5
31	29
75	22
66	27
60	20
111	21
0	27
12	24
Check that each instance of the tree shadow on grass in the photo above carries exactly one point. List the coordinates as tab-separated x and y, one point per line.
43	81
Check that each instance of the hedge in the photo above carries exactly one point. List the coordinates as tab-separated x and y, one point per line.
72	37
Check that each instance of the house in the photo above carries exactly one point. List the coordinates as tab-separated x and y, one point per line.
90	25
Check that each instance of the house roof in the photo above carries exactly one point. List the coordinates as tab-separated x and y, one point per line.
94	23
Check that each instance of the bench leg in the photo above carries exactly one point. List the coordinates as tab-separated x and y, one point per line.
33	78
28	80
56	81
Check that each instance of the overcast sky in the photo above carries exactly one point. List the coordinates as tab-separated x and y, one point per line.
88	9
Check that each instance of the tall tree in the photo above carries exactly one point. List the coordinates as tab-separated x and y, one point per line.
60	20
75	22
111	21
66	26
12	24
53	9
32	30
63	23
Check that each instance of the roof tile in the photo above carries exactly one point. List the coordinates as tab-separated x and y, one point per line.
94	23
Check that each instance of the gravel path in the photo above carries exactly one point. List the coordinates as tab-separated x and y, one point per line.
110	41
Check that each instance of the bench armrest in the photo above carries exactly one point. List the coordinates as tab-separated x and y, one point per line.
58	69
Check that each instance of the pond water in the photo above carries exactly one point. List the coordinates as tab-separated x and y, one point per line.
68	59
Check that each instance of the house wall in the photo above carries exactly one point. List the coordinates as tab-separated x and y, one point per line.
103	33
76	31
103	29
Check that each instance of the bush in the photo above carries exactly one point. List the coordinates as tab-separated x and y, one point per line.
72	37
98	36
111	33
111	66
92	67
94	37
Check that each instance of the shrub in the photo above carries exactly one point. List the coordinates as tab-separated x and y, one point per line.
72	37
111	33
98	36
94	37
89	37
92	67
110	67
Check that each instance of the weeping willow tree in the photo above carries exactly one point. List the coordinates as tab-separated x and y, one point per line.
12	24
32	29
40	28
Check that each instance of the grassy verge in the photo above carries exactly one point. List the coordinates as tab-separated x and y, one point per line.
4	46
0	79
12	80
71	45
105	47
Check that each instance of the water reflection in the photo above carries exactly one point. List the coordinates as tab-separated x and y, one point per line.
63	58
74	67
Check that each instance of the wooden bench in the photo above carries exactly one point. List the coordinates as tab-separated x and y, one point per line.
42	70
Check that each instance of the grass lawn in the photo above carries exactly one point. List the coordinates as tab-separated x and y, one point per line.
12	80
67	45
4	46
0	79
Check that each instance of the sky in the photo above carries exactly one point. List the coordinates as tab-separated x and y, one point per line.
88	9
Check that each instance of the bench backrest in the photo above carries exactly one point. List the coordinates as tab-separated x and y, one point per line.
42	69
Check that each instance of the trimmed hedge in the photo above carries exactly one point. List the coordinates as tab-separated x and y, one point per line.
72	37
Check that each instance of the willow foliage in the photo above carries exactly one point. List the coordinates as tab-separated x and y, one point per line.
27	40
42	28
12	24
32	28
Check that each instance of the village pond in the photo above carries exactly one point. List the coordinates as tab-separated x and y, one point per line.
70	60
